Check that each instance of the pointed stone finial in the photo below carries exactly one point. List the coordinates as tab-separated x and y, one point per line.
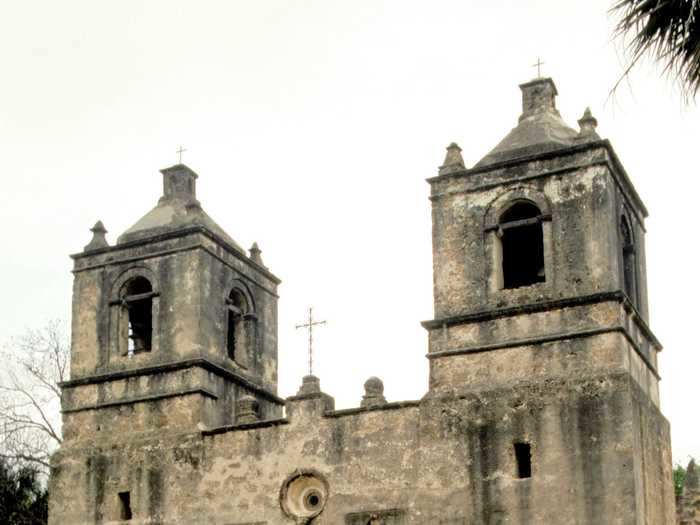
453	160
255	254
247	410
587	124
98	237
374	393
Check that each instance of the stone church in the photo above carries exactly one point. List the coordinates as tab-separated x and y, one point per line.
543	399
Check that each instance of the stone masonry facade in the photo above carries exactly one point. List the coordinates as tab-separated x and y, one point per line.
542	407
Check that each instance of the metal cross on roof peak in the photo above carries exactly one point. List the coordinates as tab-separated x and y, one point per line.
310	325
180	150
538	64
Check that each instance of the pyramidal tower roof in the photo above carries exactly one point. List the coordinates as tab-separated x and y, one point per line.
178	209
540	128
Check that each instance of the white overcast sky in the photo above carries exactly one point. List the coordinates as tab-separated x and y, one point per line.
312	125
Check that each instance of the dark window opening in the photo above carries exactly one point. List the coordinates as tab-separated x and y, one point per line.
138	300
125	506
629	265
523	459
235	327
522	245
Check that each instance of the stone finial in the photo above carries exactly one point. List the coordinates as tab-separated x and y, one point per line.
374	393
539	96
310	385
309	399
453	160
247	410
255	254
98	237
692	480
587	124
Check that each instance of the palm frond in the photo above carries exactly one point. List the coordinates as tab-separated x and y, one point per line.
667	31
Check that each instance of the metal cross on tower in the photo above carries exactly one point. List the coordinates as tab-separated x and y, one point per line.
538	64
180	150
310	325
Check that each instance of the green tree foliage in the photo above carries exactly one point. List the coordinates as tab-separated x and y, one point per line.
683	476
667	31
678	479
23	501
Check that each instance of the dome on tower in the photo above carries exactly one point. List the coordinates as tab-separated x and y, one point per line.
540	128
178	209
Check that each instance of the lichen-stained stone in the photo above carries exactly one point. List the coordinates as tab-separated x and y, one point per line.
542	406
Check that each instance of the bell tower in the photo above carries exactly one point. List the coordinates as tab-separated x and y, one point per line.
172	326
540	297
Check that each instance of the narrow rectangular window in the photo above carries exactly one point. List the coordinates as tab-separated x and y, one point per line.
231	334
523	458
125	506
236	321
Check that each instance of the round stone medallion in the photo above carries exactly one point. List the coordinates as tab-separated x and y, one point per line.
304	494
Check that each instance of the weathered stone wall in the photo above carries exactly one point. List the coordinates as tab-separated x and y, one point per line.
191	275
653	465
443	460
185	398
98	278
187	376
556	342
635	216
578	188
219	272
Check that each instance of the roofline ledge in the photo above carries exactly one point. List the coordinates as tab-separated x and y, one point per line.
181	233
616	166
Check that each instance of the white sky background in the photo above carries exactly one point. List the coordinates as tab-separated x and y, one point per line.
312	125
